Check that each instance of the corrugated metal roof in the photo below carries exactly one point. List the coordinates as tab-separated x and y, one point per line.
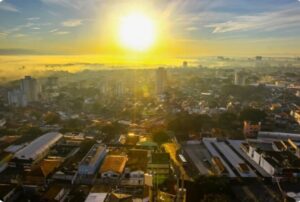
38	146
115	163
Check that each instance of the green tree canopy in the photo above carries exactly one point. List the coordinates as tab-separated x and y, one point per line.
160	137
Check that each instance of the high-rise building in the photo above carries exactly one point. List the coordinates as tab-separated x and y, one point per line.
29	92
17	98
239	78
52	82
161	81
30	87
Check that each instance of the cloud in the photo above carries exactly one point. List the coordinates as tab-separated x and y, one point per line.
3	34
192	28
33	19
61	33
72	23
53	30
19	35
17	52
20	27
8	7
58	32
75	4
268	21
73	64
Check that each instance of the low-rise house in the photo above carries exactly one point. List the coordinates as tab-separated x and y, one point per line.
39	174
250	129
113	166
136	167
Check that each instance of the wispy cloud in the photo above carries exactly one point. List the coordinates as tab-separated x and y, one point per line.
53	30
287	18
8	7
61	33
3	34
72	23
75	4
18	30
57	31
17	52
19	35
33	18
192	29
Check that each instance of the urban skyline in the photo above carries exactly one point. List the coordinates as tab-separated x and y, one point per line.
150	100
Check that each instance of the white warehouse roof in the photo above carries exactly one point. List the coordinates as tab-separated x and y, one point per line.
38	146
279	135
96	197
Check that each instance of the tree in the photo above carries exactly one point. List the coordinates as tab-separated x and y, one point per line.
185	123
51	118
215	198
73	125
28	133
254	115
205	187
226	120
112	130
160	137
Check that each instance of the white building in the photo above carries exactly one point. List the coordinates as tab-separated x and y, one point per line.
136	167
96	197
275	163
91	162
17	98
29	91
30	87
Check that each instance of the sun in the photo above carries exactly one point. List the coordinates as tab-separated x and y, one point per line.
137	32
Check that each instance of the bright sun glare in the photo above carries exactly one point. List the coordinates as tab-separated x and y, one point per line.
137	32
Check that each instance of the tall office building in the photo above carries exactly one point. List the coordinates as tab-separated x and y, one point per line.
161	81
30	87
17	98
239	78
52	82
29	92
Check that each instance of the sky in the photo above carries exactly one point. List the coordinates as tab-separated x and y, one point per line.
185	28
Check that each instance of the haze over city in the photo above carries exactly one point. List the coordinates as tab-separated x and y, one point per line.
74	31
